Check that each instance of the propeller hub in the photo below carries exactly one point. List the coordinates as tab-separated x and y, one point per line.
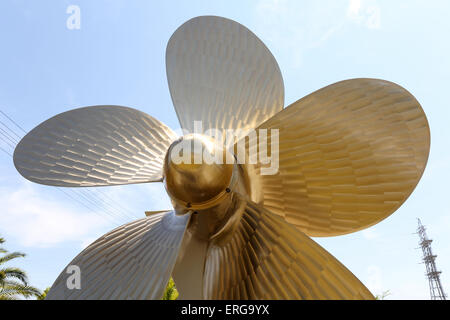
197	171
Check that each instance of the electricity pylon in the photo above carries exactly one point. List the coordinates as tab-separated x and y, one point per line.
436	290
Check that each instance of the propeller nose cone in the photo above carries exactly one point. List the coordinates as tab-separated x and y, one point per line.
196	170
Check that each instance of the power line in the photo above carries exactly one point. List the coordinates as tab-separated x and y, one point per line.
111	199
15	123
10	137
84	204
114	208
89	195
9	154
6	126
93	202
91	206
6	141
89	200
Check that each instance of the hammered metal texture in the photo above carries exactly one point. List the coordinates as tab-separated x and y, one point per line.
133	261
220	73
94	146
268	258
350	155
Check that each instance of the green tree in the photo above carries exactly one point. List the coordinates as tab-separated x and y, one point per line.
14	281
171	292
44	294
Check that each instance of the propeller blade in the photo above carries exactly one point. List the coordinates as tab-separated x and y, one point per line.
133	261
95	146
267	258
192	257
220	73
349	155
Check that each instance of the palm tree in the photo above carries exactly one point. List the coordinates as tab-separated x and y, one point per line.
14	281
171	292
44	294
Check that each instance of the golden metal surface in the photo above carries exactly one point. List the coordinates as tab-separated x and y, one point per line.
189	269
151	213
192	181
350	155
94	146
267	258
220	73
133	261
216	223
239	250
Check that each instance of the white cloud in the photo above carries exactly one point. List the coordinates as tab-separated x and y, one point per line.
370	234
353	8
36	221
293	26
365	12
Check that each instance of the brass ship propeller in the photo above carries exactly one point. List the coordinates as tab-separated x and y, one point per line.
349	155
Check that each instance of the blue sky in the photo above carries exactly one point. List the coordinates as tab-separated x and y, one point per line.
118	57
